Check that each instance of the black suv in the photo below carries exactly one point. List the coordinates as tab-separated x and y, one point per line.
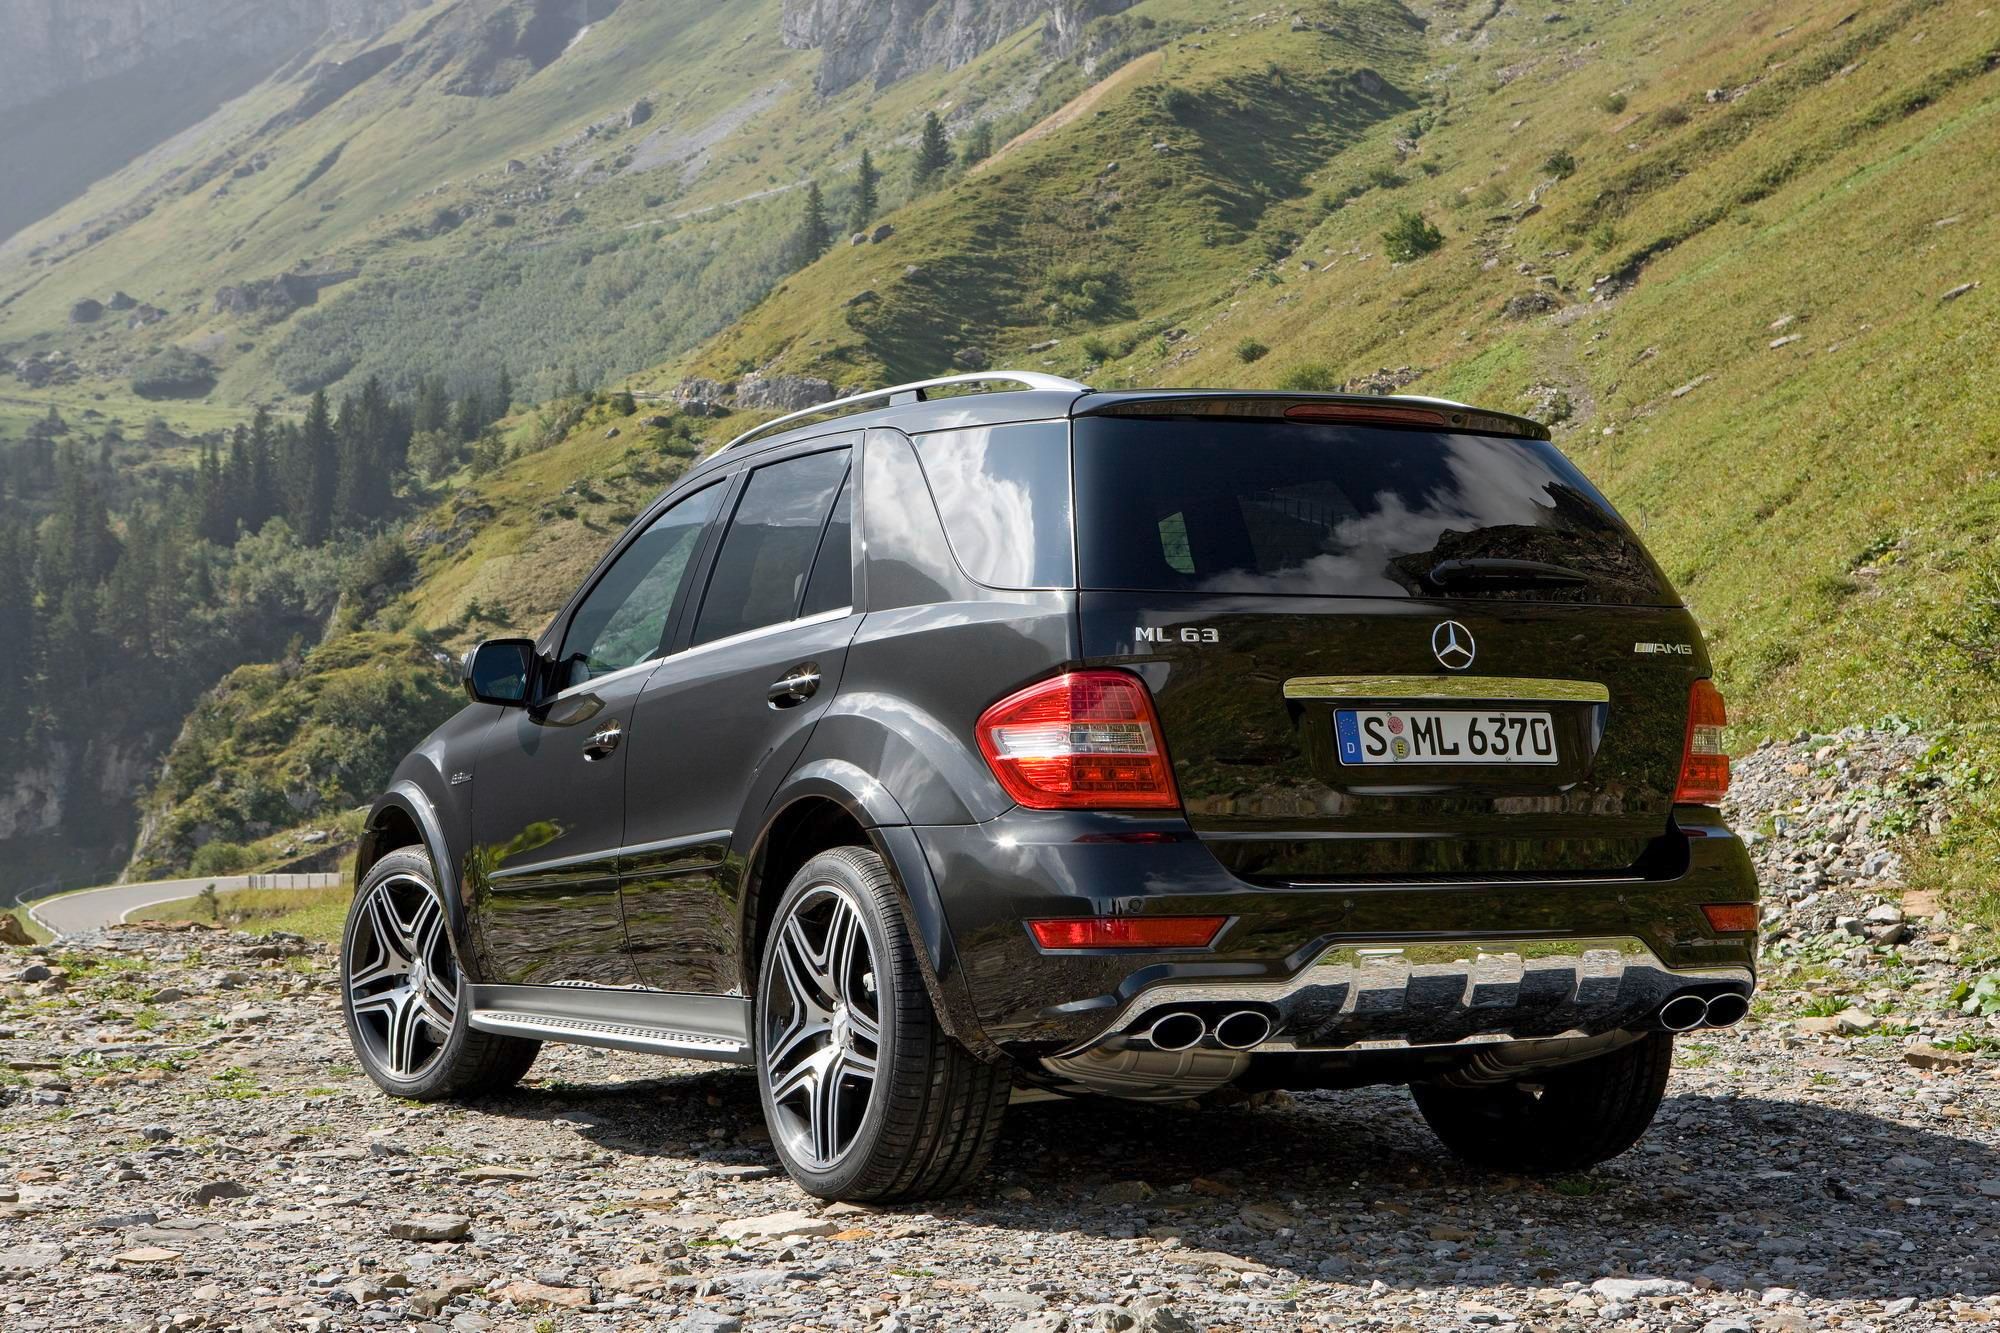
940	746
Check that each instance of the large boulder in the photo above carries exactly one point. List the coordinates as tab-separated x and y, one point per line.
785	393
86	311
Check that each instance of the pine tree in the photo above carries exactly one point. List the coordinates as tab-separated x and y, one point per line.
867	192
503	393
933	150
213	520
262	504
79	548
470	418
17	627
311	468
238	480
815	232
433	410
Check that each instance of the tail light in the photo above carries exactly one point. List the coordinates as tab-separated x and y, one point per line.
1126	932
1704	764
1086	740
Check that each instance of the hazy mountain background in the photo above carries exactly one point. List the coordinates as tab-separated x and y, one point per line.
1740	255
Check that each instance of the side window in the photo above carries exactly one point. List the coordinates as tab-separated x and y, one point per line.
760	572
623	619
832	584
1003	493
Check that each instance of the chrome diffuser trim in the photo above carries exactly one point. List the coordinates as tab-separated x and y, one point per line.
1411	994
1498	689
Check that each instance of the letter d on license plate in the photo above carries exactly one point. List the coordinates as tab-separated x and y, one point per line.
1436	736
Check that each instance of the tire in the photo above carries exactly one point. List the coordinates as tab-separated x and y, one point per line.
924	1123
1585	1113
414	1040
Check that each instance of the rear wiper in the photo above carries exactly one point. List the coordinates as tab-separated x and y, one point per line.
1488	571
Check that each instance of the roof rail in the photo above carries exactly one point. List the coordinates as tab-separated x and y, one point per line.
914	392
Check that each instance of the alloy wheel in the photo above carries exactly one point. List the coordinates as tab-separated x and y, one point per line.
822	1027
402	978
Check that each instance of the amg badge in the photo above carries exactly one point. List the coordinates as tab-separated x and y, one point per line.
1676	649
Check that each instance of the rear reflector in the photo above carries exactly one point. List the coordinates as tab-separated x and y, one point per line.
1704	764
1087	740
1126	932
1726	917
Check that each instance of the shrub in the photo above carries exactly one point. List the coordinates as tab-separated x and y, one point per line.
1179	103
1083	291
173	372
218	858
1560	164
1251	350
1384	178
1095	348
1309	377
624	404
1410	237
1490	195
1612	103
1671	115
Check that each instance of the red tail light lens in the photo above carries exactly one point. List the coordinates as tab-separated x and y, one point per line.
1704	764
1724	918
1126	932
1088	740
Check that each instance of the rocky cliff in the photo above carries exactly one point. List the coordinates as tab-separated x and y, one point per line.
885	40
53	45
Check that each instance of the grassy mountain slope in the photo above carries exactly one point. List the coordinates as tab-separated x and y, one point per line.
1636	201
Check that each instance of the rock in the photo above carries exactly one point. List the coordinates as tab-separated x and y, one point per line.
1729	1324
149	1254
858	238
1989	1188
210	1191
1785	341
31	1258
496	1173
121	301
1125	1191
709	1321
641	1278
885	231
122	1221
156	1133
639	113
1899	1307
1625	1290
790	1223
786	393
432	1227
1925	1056
1048	1321
167	995
34	972
1267	1216
89	311
13	932
1854	1022
1960	290
528	1295
614	433
867	296
655	422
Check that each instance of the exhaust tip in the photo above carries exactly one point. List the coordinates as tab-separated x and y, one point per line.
1683	1012
1242	1030
1176	1031
1726	1009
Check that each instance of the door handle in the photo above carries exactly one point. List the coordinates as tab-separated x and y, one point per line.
798	685
602	742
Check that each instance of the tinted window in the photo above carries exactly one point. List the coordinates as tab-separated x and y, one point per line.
1283	508
1003	493
760	573
832	584
623	619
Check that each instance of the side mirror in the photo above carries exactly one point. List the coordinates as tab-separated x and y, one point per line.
499	671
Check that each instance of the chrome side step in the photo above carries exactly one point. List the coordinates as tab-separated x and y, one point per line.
652	1022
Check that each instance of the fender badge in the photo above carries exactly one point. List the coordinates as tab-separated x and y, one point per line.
457	778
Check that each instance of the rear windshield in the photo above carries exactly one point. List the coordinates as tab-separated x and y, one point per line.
1260	507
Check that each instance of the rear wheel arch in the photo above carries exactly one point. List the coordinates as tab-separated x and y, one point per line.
818	815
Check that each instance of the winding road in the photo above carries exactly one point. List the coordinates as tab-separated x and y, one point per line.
92	909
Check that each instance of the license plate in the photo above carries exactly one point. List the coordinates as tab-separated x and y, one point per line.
1427	736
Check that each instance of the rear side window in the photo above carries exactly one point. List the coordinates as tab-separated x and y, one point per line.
761	571
1277	508
832	584
1003	493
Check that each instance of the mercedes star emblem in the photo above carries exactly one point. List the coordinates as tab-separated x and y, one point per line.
1452	642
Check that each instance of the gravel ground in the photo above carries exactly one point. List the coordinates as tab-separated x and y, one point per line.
186	1143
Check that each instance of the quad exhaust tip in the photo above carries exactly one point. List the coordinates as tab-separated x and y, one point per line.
1242	1030
1686	1012
1176	1031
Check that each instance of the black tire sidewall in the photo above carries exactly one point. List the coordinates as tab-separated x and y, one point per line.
435	1081
891	967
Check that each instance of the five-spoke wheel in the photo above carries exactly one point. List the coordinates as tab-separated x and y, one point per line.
822	1030
866	1095
402	981
404	994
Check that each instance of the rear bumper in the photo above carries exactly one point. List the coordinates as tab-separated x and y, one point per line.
1340	967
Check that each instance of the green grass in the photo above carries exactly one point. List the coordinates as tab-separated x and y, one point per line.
317	914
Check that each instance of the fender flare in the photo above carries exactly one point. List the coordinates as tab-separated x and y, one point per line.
891	836
411	799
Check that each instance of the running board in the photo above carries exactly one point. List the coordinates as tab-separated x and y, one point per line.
652	1022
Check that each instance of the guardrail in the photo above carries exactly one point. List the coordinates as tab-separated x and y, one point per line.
313	879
